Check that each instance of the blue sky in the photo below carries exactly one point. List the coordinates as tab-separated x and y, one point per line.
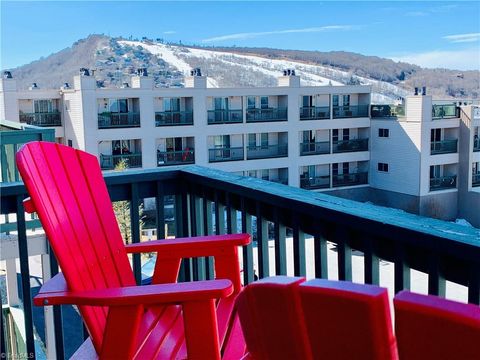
428	33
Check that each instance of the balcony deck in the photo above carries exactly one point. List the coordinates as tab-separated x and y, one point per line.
296	232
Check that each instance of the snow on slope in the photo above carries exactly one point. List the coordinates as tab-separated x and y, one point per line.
184	59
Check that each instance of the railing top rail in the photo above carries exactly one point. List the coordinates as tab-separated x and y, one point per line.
375	215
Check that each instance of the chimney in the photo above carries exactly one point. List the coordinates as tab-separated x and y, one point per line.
84	72
83	81
7	75
196	80
416	91
66	86
34	86
289	78
125	85
141	80
424	90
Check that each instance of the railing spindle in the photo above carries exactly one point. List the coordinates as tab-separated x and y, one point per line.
262	243
402	270
299	264
248	249
371	263
135	230
436	280
208	230
57	311
25	276
474	284
342	237
320	253
160	211
280	245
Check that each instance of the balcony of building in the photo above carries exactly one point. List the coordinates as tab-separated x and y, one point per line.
118	113
266	108
476	179
387	111
224	110
120	154
314	177
443	111
295	233
267	145
443	177
443	141
349	140
349	174
350	105
278	175
315	142
225	148
173	111
43	113
315	107
175	151
476	141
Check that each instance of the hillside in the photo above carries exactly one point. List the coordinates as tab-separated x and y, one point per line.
115	59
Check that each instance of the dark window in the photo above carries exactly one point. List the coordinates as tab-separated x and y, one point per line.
383	132
383	167
70	143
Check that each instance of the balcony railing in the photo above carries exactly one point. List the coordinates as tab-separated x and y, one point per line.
266	151
315	182
315	148
341	146
172	118
386	111
225	116
443	183
314	112
303	229
351	179
118	120
476	145
225	154
445	111
443	147
476	179
270	114
42	119
181	157
110	162
350	111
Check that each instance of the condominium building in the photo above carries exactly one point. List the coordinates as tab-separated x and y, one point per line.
420	156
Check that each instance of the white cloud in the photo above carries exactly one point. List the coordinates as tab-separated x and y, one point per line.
169	32
250	35
466	59
463	38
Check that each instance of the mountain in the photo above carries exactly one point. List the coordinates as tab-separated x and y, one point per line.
115	59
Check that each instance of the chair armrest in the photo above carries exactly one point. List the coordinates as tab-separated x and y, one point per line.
189	247
55	293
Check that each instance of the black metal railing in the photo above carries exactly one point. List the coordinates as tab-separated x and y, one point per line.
351	179
224	116
476	145
118	120
172	118
315	148
110	162
270	114
186	156
350	111
476	179
386	111
225	154
314	112
340	146
315	182
443	147
267	151
443	182
208	201
445	111
42	119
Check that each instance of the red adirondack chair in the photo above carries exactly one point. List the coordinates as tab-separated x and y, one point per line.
428	327
287	318
165	320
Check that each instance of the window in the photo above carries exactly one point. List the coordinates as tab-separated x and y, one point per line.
264	140
436	135
383	132
383	167
118	105
307	101
70	143
265	174
43	106
346	134
264	102
346	100
435	171
345	168
335	100
251	102
334	169
335	135
171	104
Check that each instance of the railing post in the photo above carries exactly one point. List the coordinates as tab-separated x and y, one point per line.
12	285
135	230
299	264
48	311
436	280
208	230
248	271
219	215
160	209
371	262
262	243
474	284
402	270
25	276
280	245
57	310
320	253
344	254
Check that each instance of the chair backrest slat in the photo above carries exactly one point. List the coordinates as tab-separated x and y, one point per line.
68	192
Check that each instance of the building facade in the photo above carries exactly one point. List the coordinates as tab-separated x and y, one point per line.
421	157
